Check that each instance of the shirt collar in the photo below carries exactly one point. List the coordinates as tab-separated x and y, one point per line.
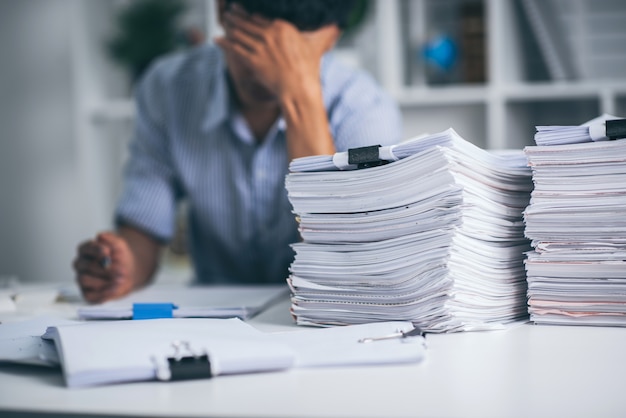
240	127
219	102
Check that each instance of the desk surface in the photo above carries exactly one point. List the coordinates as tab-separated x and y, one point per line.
525	371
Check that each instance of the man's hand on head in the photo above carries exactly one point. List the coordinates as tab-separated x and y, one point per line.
282	58
273	61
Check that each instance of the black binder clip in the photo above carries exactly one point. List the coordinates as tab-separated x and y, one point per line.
365	157
185	364
616	129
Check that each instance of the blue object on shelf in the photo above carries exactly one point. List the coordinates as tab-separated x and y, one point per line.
441	51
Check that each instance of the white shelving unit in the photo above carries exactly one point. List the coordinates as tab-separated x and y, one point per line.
500	112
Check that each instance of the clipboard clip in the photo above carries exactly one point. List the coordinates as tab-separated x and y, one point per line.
185	364
610	129
616	129
399	334
365	157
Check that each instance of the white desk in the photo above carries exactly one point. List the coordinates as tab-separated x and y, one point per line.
527	371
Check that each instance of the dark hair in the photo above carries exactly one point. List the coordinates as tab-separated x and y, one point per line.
306	15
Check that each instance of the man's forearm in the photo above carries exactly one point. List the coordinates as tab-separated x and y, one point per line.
146	254
308	131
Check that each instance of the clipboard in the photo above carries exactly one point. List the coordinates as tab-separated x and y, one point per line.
110	352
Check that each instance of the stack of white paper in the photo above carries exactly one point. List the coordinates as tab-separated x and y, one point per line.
435	238
577	222
593	130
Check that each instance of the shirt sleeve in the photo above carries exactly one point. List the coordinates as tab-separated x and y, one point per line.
363	114
149	197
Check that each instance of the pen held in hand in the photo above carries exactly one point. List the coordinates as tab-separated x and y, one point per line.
105	262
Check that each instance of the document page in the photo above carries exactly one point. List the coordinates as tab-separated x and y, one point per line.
193	301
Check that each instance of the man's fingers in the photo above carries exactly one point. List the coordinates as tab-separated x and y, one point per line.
93	249
97	268
94	252
92	267
237	10
97	288
94	289
93	283
244	26
115	247
243	53
96	258
101	268
260	21
111	240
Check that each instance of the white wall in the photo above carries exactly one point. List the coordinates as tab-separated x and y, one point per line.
43	214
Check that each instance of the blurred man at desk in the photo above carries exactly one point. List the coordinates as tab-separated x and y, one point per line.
217	127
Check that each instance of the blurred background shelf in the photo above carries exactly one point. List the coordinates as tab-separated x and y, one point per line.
444	95
564	90
113	110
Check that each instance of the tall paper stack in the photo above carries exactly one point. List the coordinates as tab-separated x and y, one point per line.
435	237
577	223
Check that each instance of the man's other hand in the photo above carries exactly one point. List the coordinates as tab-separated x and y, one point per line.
104	268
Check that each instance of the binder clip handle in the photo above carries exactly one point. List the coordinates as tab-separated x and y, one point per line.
184	366
365	157
190	367
616	128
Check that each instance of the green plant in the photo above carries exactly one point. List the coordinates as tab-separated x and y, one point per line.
359	14
146	29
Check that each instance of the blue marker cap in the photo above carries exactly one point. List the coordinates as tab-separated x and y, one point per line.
153	310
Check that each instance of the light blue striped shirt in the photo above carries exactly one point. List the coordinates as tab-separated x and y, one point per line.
191	143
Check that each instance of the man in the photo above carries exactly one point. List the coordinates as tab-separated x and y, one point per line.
217	126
